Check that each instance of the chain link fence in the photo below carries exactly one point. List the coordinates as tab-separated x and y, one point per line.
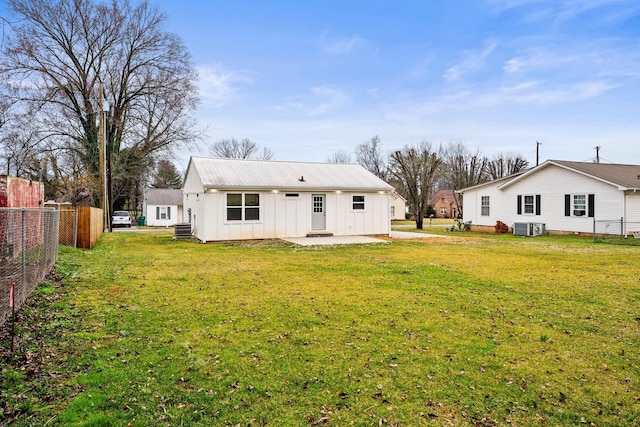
616	228
28	252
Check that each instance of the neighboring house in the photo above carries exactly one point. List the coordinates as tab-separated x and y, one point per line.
232	199
564	196
398	206
162	207
444	204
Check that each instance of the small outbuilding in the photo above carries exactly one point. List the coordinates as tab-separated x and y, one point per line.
162	207
237	199
398	208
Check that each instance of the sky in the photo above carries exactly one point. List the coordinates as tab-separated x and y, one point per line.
307	79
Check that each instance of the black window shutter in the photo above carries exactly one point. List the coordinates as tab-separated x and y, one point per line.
567	205
592	205
168	212
519	205
157	212
537	204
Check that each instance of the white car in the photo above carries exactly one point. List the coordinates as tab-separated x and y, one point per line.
121	219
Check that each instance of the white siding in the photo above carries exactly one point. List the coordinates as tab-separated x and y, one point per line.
551	183
153	221
400	207
633	212
282	216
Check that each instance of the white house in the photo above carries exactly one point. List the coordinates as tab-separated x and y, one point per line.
398	207
162	207
564	196
232	199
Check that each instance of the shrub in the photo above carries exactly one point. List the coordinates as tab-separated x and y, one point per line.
501	227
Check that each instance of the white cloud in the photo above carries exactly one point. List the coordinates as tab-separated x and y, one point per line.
340	45
472	61
325	100
218	87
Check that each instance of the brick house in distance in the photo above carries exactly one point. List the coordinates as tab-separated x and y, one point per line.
444	204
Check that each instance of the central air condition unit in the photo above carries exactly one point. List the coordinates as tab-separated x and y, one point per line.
529	229
183	231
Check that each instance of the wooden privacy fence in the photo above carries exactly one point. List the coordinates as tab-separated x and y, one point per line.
80	226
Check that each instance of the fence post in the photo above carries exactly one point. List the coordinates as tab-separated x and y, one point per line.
24	255
621	227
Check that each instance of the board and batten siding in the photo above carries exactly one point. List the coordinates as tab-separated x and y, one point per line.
551	184
282	216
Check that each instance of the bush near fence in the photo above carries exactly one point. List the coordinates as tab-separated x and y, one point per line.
28	252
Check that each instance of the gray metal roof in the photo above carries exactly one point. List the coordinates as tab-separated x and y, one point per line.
218	173
163	196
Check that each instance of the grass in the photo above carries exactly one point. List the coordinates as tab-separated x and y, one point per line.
484	330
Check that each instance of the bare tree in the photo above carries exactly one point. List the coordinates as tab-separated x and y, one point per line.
464	169
415	168
339	157
61	53
243	149
369	155
505	164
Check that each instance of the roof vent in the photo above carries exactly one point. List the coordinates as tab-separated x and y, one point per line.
301	179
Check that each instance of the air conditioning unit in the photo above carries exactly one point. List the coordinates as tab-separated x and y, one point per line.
529	229
183	231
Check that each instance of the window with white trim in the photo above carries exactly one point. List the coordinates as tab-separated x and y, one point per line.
579	204
163	212
529	204
484	206
358	203
393	211
243	207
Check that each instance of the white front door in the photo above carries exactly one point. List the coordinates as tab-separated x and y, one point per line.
318	216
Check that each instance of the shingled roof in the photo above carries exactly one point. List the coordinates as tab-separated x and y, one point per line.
163	196
625	177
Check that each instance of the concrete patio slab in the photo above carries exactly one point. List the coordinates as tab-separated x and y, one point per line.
332	240
411	235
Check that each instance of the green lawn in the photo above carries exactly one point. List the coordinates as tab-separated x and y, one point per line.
479	330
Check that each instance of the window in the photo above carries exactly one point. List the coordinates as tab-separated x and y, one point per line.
579	205
443	211
393	212
163	212
358	203
243	207
484	206
529	204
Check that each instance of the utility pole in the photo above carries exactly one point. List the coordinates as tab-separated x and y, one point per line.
597	154
101	154
104	192
538	144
